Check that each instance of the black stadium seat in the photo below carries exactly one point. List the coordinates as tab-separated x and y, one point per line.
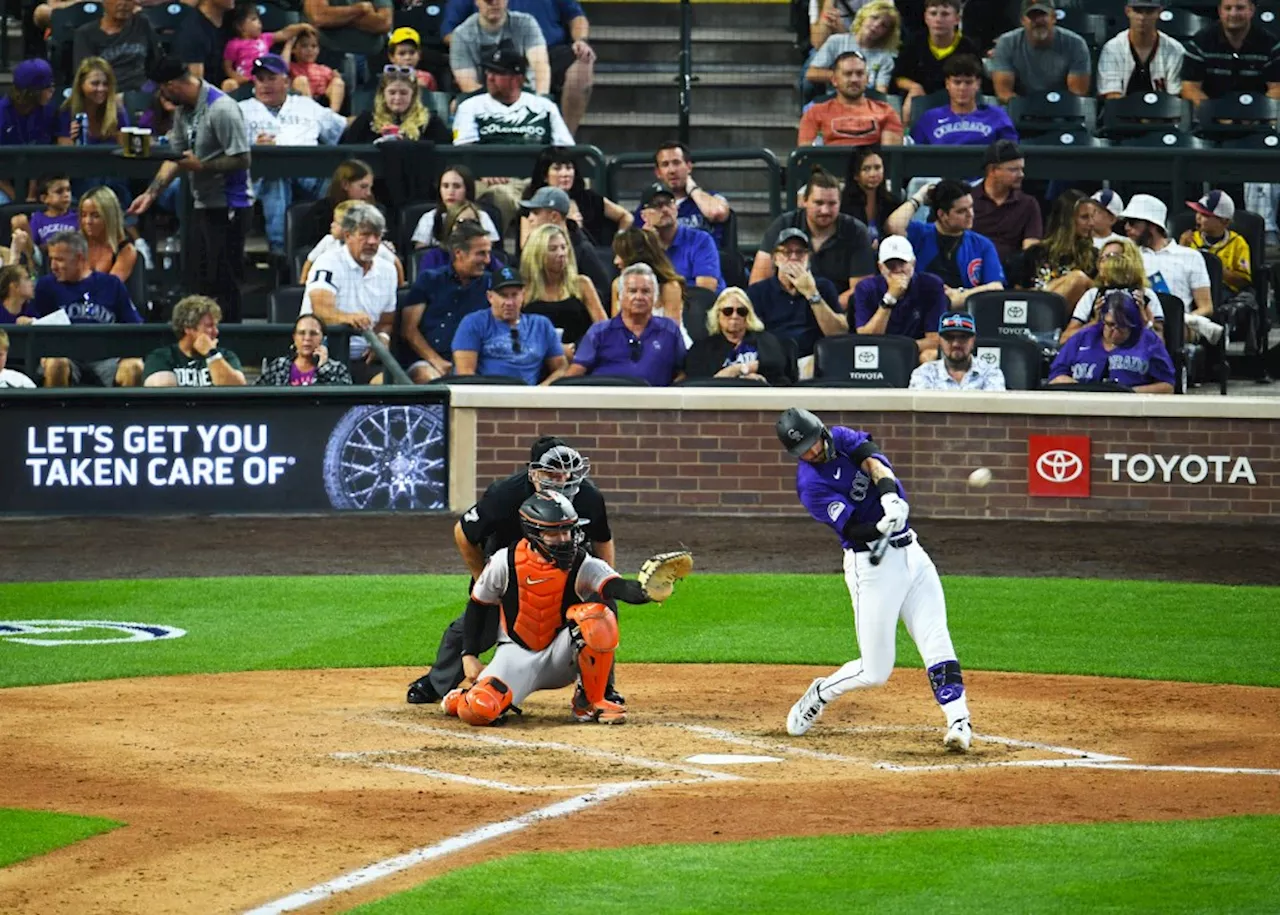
286	304
1236	115
1051	112
1019	359
864	360
1019	313
1151	112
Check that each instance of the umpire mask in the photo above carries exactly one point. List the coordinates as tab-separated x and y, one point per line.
560	469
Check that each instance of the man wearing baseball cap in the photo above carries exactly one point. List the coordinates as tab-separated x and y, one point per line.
1170	267
957	370
691	251
28	114
1214	212
1041	56
900	301
504	340
794	303
1001	212
1140	59
274	117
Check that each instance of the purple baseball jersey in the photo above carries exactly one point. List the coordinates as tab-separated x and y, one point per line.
1144	361
943	127
836	491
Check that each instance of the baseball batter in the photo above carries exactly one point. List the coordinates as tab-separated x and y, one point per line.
557	615
847	484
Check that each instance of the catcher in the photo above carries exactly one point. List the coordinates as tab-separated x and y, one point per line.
557	612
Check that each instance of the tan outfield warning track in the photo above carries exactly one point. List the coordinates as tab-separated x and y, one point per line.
241	789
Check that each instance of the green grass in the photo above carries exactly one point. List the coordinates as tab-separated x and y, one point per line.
28	833
1153	630
1223	865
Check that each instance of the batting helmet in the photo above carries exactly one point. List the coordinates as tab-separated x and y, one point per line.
799	430
559	469
545	512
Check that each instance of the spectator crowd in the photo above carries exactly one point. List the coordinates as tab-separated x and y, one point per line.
538	277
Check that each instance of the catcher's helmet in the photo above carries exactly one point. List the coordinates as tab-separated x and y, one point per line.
560	469
799	430
543	512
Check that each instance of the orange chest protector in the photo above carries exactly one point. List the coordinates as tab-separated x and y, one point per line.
538	593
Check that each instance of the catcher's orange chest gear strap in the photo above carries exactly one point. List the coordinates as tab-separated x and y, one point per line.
536	597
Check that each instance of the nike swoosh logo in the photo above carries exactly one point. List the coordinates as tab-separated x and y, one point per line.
838	472
535	581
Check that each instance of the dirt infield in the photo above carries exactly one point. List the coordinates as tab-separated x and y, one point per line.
240	789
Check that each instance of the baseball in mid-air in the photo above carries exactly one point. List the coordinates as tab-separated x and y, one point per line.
980	478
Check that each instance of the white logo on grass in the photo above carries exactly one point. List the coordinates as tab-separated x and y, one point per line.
37	632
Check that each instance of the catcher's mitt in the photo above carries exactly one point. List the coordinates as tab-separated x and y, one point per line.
659	573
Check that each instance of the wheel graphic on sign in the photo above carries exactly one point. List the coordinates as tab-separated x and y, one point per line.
387	458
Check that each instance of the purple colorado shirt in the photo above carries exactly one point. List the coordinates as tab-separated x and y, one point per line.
608	347
943	127
836	492
1145	361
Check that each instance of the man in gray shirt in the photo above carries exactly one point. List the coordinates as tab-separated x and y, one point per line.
1040	56
123	39
495	26
209	134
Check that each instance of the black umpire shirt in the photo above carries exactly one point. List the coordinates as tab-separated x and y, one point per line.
846	254
494	521
1221	69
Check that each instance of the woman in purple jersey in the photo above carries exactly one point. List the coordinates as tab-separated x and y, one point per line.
1120	348
847	484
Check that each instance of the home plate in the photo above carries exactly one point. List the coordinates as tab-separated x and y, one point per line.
729	759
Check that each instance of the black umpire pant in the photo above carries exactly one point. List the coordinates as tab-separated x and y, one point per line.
215	256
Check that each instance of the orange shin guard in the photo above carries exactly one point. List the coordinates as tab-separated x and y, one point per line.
485	702
598	633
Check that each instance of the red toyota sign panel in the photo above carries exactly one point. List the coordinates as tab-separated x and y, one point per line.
1058	466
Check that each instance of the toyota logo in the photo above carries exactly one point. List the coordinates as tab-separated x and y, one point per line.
989	358
867	357
1015	312
1059	466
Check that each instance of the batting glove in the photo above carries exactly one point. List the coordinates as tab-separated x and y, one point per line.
895	513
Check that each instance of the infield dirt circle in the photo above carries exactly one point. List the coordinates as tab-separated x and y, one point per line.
241	789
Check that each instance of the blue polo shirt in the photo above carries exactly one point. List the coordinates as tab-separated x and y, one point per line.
610	348
688	214
917	313
448	301
494	344
790	316
975	262
693	253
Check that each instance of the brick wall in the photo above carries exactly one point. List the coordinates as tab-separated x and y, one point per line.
727	461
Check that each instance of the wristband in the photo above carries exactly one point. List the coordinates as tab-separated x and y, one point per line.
212	355
887	486
917	203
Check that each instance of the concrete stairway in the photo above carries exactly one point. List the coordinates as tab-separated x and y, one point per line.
744	95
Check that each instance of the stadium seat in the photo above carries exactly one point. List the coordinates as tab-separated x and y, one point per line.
1182	24
1175	340
62	27
1031	313
922	103
295	222
1079	137
409	216
615	381
166	19
286	304
136	102
1093	28
1236	115
1166	139
1261	140
1151	112
1019	359
864	360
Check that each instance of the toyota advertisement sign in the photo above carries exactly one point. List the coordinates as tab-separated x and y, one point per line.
1058	466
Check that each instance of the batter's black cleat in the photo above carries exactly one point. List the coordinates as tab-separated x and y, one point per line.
421	693
613	695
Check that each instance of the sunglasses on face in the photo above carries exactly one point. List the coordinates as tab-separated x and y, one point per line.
515	341
729	310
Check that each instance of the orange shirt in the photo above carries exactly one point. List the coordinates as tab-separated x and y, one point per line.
841	124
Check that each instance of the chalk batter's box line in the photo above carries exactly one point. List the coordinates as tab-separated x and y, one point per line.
595	752
368	758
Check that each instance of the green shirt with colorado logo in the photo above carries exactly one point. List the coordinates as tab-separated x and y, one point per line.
192	371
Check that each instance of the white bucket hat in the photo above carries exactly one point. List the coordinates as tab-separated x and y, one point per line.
1144	206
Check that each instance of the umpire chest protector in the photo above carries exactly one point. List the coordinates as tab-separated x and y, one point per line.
537	596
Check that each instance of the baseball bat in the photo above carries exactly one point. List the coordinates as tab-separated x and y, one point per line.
878	548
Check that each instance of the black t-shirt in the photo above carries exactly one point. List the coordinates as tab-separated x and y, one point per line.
131	52
846	254
494	521
944	265
201	42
